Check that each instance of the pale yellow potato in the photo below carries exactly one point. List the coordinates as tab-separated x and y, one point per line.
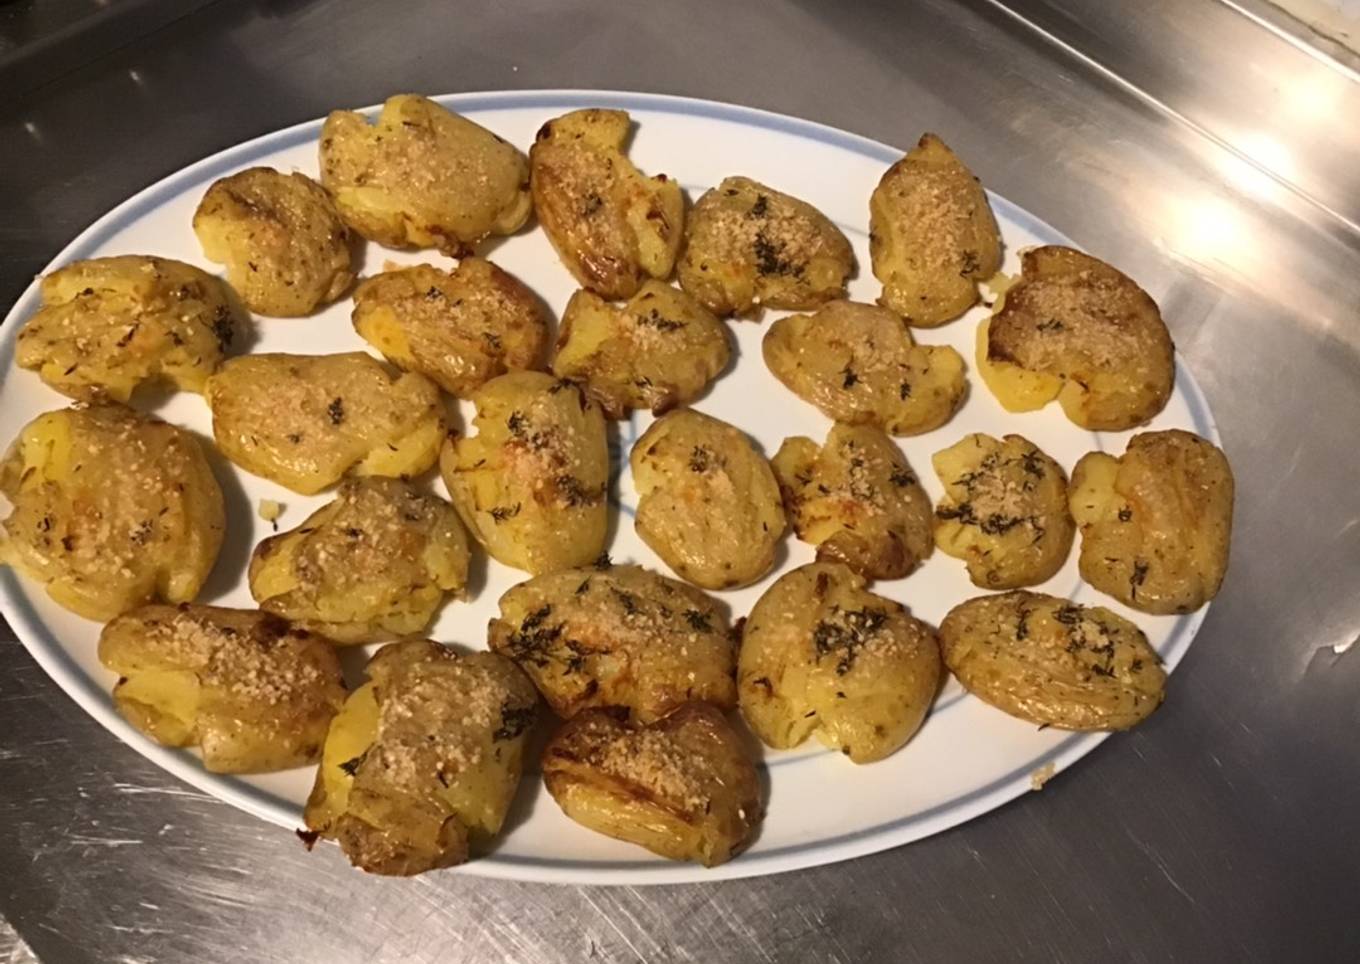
612	226
422	176
1155	522
110	509
304	421
659	350
1016	388
531	484
109	324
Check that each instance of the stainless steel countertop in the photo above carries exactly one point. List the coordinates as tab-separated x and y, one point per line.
1214	161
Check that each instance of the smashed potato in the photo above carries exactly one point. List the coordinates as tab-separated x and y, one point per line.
424	759
611	225
859	365
251	692
1155	522
617	636
658	351
304	421
822	656
708	502
422	176
857	500
531	483
1045	660
683	787
1004	512
1076	329
111	509
109	324
373	564
932	236
748	245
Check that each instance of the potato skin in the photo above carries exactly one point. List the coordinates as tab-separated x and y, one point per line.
748	245
531	484
1052	663
617	636
682	787
612	226
253	693
659	350
459	328
859	365
708	502
857	500
111	509
422	176
424	759
304	421
1155	522
932	236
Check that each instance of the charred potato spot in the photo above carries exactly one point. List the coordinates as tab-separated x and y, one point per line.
1155	522
111	509
683	787
822	656
1053	663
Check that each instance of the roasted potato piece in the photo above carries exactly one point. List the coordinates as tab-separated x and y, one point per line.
304	421
708	502
658	351
612	226
251	692
1053	663
111	509
531	483
748	245
617	636
459	328
1004	512
859	365
932	236
424	759
373	564
1155	522
857	500
422	176
682	787
1084	333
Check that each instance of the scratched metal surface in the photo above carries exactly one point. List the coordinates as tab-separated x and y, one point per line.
1211	159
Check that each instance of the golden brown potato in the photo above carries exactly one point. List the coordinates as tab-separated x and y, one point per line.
1053	663
422	176
1004	512
857	500
932	236
708	502
531	484
304	421
286	250
1075	329
682	787
251	692
373	564
747	245
859	365
822	656
109	324
460	328
658	351
424	759
1155	522
612	226
617	636
111	509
